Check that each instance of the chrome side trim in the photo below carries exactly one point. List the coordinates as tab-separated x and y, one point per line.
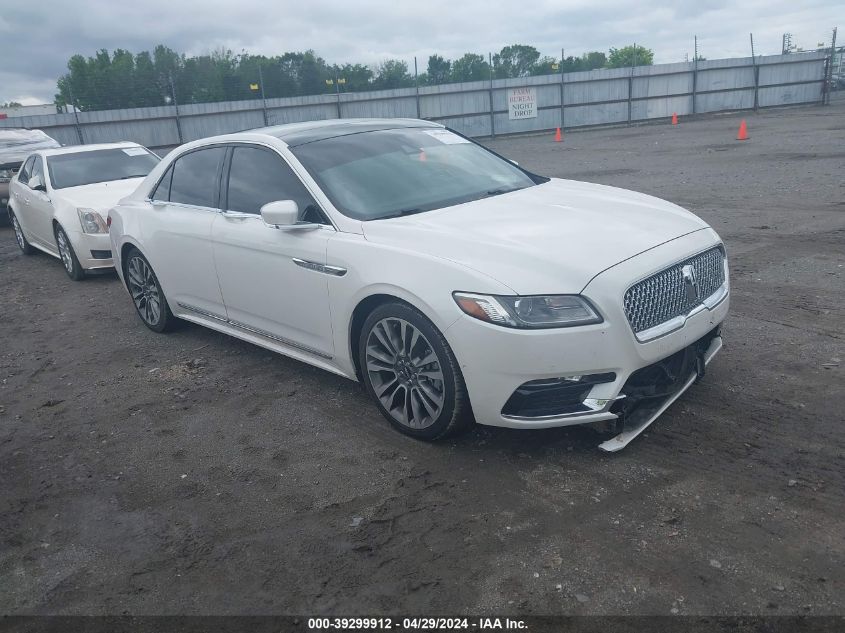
254	330
204	313
279	339
337	271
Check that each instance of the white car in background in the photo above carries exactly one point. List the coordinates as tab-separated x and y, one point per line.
454	284
59	200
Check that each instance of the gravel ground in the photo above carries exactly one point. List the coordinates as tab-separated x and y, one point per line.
193	473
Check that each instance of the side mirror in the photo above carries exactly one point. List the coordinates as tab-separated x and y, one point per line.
36	183
284	215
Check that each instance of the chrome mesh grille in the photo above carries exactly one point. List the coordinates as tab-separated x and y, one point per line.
663	296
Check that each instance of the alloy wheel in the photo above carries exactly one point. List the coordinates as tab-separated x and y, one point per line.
405	373
64	250
144	290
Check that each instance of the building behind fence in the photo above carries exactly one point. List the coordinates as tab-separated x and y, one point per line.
480	108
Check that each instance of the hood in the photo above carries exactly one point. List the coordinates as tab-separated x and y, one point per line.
550	238
100	196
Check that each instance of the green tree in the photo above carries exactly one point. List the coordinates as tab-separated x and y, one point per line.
470	67
546	66
11	104
630	56
516	60
393	73
439	70
358	77
593	60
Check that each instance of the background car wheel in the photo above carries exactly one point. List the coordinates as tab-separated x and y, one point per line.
26	249
69	260
409	369
147	295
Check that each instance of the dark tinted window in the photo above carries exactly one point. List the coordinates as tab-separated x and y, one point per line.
23	174
195	177
259	176
102	165
162	192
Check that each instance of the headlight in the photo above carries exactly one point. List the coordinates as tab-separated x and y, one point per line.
544	311
92	222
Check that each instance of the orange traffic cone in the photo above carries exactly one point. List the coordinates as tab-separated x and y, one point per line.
743	132
558	136
674	118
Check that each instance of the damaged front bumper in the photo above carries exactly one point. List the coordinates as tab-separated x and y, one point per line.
649	391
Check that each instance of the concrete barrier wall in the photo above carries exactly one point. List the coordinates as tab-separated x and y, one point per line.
597	97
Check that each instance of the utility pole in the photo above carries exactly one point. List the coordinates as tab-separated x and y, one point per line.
417	85
694	73
562	95
75	115
263	97
829	77
492	123
631	82
756	74
176	103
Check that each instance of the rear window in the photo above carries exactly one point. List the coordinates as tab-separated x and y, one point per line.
102	165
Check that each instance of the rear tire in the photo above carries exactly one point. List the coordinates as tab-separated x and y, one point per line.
25	247
67	255
147	295
410	371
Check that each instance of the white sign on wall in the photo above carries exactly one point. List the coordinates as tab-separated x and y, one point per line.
522	103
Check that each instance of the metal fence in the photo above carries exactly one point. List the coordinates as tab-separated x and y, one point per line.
566	100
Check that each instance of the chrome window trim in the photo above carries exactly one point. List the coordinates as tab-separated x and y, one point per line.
181	205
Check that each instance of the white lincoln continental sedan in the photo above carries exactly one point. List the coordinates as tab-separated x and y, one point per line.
455	285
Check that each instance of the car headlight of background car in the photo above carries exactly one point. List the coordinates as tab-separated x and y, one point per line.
92	222
531	312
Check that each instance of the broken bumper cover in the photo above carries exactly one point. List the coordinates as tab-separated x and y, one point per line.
649	391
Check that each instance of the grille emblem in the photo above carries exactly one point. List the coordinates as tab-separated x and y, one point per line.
690	284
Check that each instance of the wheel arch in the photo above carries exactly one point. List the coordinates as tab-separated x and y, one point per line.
375	298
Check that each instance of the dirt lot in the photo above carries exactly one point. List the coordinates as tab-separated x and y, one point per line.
193	473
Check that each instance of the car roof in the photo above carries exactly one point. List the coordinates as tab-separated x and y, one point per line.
76	149
294	134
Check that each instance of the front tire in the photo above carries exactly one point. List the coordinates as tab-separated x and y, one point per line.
410	371
68	256
23	244
147	295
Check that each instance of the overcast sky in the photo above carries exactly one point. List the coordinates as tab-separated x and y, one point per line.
39	37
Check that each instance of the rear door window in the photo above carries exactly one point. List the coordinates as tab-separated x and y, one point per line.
195	179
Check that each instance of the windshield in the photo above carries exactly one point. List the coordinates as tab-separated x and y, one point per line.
388	173
102	165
